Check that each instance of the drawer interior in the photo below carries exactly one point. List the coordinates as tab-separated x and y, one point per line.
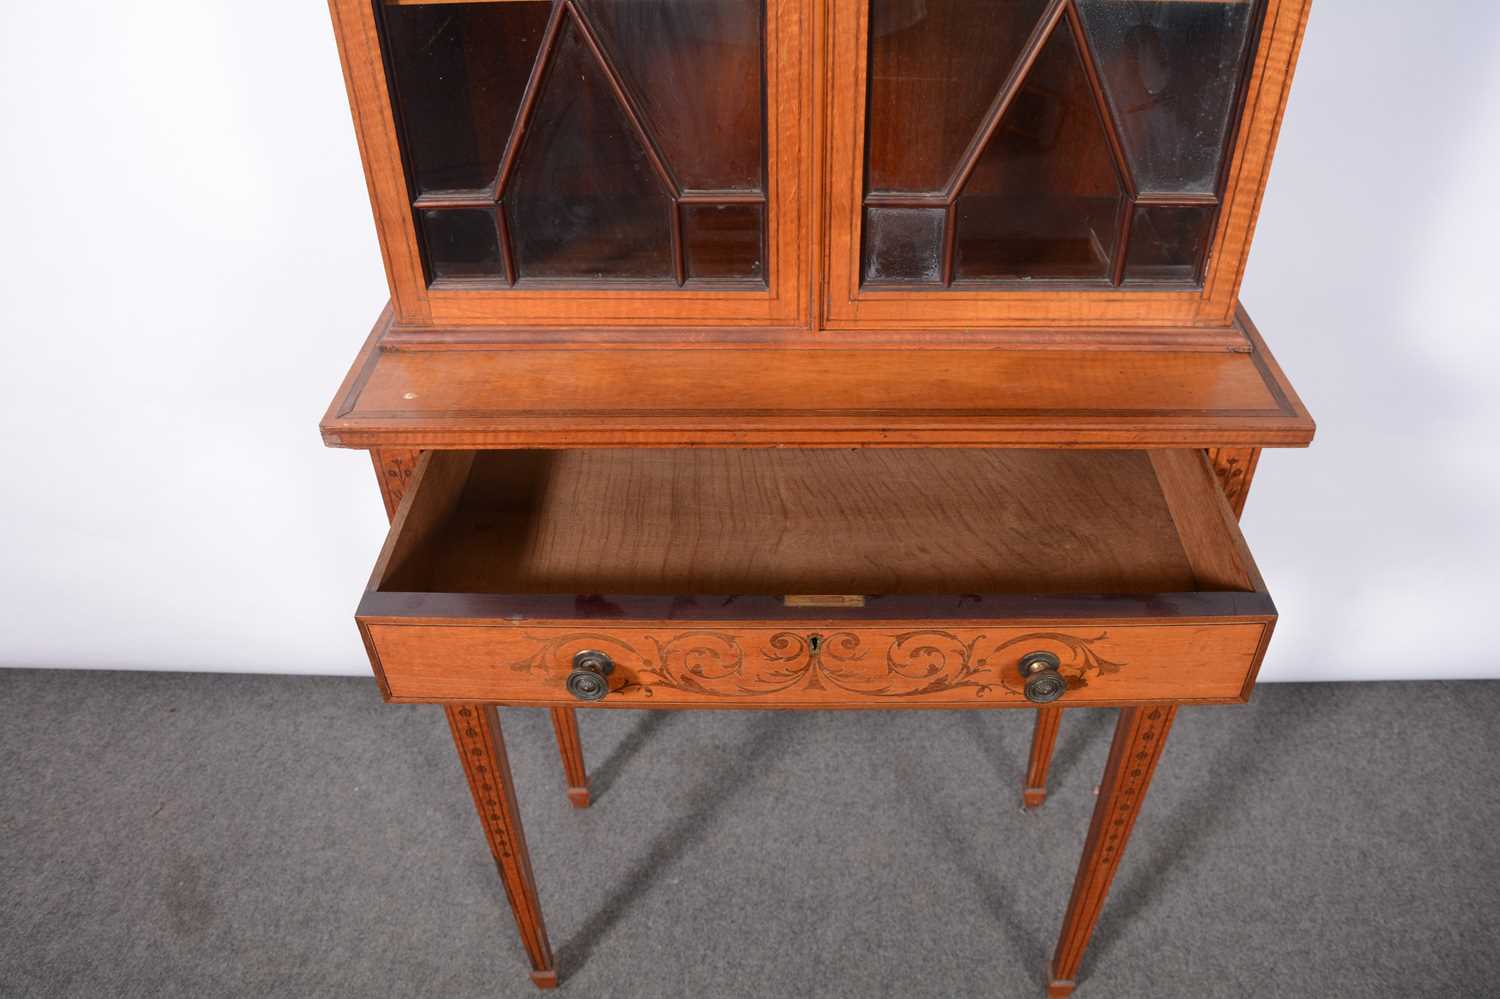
815	522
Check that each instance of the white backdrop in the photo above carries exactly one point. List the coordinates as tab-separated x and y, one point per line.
189	265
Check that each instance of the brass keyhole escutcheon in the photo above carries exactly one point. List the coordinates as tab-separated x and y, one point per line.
814	643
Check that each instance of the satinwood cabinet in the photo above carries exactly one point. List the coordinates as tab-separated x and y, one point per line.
816	354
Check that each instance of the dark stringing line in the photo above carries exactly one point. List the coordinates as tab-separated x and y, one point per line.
1003	100
950	240
502	225
987	128
1101	100
623	97
528	100
1122	242
1116	143
627	104
679	257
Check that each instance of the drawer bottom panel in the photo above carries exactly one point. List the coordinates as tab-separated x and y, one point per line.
902	665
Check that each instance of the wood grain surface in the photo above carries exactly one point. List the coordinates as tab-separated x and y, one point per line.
899	665
736	521
1043	739
497	566
1140	736
812	393
481	751
565	726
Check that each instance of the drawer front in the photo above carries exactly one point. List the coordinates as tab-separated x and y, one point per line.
897	664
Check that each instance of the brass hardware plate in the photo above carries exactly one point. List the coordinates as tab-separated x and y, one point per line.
823	600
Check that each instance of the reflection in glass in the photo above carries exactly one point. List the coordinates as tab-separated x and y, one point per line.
1167	243
585	200
723	242
458	71
1170	69
462	243
904	244
1044	199
936	66
696	70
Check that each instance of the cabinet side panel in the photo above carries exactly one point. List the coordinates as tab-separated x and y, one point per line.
1265	105
380	152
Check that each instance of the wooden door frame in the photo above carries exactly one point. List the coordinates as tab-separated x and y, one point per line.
848	307
790	191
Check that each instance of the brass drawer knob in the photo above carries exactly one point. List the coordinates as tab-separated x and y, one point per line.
588	680
1044	683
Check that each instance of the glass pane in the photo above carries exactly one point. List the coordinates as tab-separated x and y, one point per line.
723	242
1171	69
585	200
462	242
458	71
1044	199
936	66
695	69
904	244
1168	244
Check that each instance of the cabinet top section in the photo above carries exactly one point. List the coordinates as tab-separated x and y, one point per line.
852	393
841	165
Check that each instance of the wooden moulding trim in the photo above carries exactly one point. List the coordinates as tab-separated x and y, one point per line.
528	100
755	704
1083	438
375	665
1148	338
379	153
1283	25
1106	114
1012	86
567	610
1285	423
783	298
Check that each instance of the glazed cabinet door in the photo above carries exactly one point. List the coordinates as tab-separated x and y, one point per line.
1000	162
584	161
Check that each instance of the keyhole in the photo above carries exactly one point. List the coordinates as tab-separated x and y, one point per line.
814	643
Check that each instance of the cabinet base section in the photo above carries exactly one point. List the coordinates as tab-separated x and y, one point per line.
906	664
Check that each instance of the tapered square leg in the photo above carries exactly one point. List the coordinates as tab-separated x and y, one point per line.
1140	735
481	749
1043	738
565	724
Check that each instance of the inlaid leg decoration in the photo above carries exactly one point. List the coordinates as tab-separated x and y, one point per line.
393	469
1043	738
476	733
1139	737
565	724
1235	467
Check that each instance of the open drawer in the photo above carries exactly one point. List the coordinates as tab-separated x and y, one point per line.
815	578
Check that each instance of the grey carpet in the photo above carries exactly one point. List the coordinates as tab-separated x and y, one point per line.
187	835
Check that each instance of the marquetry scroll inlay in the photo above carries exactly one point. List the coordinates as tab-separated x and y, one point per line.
868	664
